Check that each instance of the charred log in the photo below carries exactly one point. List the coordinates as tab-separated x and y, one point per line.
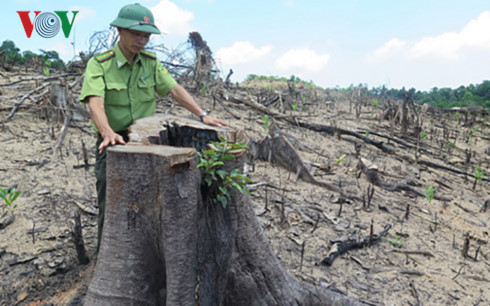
345	246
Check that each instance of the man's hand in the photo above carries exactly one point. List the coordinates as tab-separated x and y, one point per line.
97	112
110	139
213	121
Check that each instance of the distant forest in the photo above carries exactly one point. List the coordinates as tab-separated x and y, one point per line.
11	55
473	95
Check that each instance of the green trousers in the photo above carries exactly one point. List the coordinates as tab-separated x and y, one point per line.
100	175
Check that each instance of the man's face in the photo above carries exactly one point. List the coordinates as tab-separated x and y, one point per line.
133	41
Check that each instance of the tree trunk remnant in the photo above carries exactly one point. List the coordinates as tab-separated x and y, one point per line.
166	243
278	150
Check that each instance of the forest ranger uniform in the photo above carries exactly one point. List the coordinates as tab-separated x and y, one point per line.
128	89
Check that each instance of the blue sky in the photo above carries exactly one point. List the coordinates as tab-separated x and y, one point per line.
420	44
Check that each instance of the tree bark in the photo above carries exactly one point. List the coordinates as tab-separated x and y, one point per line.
165	242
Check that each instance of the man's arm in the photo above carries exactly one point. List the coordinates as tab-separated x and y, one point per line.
97	112
187	101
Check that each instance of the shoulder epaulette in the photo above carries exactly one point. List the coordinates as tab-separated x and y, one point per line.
148	54
102	57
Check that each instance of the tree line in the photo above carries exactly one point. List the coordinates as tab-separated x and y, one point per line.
473	95
11	55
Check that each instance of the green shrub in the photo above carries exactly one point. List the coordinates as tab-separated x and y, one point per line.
9	197
221	183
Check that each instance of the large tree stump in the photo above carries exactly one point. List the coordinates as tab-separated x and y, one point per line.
166	243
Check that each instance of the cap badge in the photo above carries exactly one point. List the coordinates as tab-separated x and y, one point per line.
146	19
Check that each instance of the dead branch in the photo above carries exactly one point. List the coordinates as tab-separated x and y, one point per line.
372	176
76	81
227	79
278	150
42	78
24	97
335	130
249	102
345	246
400	142
4	223
424	253
312	126
416	293
77	238
437	166
295	116
380	145
63	132
215	98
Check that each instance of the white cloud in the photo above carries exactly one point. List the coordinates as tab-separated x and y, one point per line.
445	45
241	52
302	59
171	19
289	3
476	34
392	46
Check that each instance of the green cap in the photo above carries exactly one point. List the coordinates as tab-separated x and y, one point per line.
136	17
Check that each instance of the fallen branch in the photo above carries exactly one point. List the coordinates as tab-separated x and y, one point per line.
411	272
437	166
372	176
312	126
248	101
425	253
224	107
416	293
10	108
360	262
63	132
43	78
254	186
400	142
278	150
24	97
77	238
294	116
378	144
4	223
335	130
77	80
345	246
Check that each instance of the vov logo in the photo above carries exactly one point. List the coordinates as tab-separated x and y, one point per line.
47	24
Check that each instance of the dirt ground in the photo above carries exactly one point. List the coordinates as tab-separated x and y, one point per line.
419	261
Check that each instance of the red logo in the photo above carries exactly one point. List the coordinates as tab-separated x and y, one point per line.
26	21
146	19
47	24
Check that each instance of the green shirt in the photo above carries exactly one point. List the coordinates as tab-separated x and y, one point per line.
128	90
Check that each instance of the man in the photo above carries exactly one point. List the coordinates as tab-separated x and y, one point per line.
120	85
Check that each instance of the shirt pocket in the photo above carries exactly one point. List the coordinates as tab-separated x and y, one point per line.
116	94
146	90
